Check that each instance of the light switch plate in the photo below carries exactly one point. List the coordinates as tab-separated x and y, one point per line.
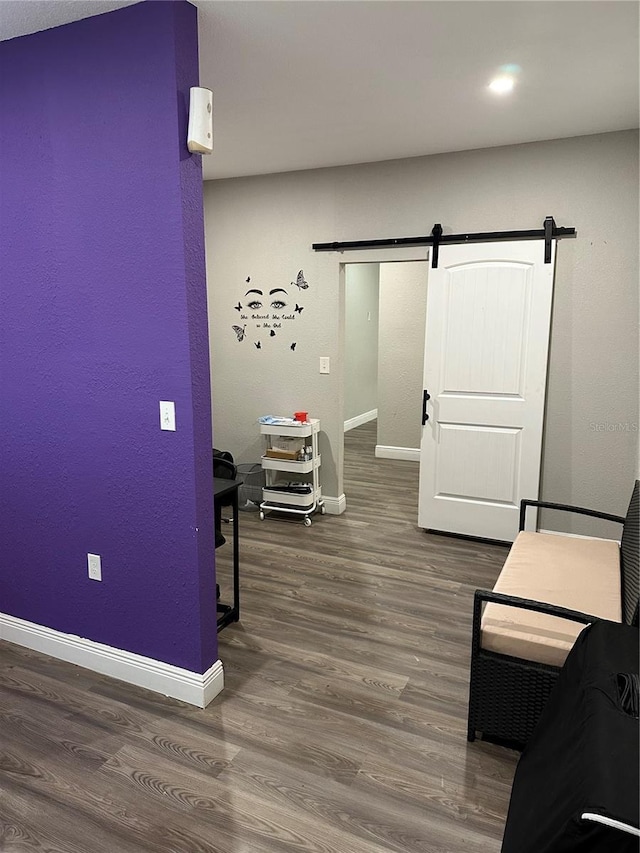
168	415
94	565
325	364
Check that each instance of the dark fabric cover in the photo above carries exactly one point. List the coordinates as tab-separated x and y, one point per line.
582	756
223	467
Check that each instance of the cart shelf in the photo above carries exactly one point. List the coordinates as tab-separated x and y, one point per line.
291	466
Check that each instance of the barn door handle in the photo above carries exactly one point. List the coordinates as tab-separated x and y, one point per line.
426	396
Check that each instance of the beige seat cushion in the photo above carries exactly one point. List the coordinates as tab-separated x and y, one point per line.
580	574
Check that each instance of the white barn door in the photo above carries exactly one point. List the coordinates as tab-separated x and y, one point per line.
485	369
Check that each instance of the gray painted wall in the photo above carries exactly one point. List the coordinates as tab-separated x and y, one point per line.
264	227
361	339
403	306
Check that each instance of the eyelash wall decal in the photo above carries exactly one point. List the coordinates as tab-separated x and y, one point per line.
278	304
254	305
239	331
299	308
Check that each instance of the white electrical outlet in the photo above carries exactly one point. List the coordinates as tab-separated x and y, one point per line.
168	415
94	564
325	364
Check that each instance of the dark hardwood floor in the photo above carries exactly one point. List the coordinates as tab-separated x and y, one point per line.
342	725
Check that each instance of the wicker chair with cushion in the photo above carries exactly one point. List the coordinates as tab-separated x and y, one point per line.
550	587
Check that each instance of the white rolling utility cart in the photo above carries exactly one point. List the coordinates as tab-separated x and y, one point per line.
292	449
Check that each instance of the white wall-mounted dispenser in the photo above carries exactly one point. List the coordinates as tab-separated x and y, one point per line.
200	132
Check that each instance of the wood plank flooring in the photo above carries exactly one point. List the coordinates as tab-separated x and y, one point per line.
342	725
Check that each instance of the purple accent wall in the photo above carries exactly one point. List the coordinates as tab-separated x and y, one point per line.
102	315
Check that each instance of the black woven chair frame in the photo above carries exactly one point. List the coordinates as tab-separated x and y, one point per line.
507	694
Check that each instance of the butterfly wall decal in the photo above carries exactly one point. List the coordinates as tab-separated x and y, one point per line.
293	346
238	307
300	281
299	308
258	345
272	333
248	279
239	330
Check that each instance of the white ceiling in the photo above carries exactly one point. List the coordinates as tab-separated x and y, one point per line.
300	84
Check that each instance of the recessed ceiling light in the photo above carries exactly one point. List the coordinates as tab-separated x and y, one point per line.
502	85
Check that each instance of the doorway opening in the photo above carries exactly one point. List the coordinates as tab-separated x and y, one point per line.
384	338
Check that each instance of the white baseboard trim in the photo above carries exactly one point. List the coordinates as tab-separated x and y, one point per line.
412	454
364	418
335	506
192	687
576	535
